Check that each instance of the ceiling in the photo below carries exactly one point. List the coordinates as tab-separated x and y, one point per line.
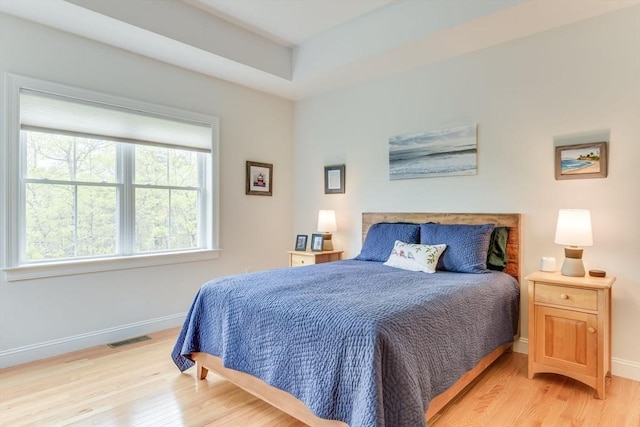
301	48
289	22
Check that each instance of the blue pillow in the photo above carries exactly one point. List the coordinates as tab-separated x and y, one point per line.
467	245
382	236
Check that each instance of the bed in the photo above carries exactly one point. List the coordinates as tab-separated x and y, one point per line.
357	342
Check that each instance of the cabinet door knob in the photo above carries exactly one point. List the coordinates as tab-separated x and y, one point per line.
591	330
564	296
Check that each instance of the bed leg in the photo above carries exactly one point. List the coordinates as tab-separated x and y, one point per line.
201	371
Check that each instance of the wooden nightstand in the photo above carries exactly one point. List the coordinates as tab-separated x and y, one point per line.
300	258
570	327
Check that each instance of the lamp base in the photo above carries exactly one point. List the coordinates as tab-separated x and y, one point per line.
327	244
572	265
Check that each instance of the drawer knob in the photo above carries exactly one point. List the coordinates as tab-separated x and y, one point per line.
591	330
564	296
302	262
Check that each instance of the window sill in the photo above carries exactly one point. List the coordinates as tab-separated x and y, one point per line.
68	268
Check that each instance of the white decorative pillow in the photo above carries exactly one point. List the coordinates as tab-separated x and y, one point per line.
414	257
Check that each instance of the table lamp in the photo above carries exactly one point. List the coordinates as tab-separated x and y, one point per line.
573	229
327	224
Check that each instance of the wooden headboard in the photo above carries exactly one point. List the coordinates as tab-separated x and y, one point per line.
499	219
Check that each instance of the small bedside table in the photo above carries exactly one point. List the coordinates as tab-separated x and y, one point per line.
570	327
300	258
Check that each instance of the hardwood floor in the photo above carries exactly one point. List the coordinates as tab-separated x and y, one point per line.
138	385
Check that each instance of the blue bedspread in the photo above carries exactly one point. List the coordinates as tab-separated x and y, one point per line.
355	341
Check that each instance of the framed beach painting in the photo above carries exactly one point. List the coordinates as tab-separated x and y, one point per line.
581	161
445	152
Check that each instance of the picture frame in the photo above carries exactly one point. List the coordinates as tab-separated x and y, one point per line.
317	242
581	161
301	242
451	151
334	179
259	180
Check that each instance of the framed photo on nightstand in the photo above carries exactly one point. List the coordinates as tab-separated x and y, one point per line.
301	242
317	241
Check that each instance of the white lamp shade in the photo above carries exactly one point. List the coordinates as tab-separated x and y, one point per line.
574	228
327	221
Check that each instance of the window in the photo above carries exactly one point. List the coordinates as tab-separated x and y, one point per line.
100	178
167	199
71	190
74	189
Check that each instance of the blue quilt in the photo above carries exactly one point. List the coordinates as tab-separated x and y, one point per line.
356	341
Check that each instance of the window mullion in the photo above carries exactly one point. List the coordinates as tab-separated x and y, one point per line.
204	194
127	210
170	227
75	220
22	199
74	175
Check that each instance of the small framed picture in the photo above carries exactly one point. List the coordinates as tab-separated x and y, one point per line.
334	179
259	179
317	240
581	161
301	242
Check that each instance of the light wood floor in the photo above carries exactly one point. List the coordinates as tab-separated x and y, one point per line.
138	385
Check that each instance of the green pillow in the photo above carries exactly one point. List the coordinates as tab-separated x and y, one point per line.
497	255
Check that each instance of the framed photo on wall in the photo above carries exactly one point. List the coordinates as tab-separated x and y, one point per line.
334	179
317	241
581	161
301	242
259	179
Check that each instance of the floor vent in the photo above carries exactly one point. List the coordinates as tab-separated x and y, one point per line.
129	341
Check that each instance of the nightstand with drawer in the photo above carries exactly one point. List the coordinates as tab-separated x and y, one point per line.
570	327
300	258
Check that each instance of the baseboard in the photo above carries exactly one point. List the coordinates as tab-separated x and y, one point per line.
28	353
625	368
619	367
521	346
16	356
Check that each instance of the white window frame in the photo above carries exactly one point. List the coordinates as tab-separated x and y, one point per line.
13	204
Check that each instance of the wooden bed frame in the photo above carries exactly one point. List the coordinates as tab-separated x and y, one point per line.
294	407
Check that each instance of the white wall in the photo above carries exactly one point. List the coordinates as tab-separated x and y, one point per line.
583	78
42	317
